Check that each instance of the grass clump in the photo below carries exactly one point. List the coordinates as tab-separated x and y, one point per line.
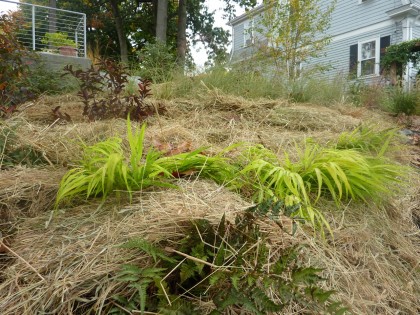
106	168
403	102
318	172
367	139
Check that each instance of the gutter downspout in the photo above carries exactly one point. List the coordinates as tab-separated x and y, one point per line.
407	34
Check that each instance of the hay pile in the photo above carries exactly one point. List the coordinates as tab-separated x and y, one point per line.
69	267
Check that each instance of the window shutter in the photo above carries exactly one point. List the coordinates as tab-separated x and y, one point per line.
385	42
353	60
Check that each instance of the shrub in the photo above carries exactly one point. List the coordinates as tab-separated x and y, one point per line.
13	69
228	264
42	80
156	63
103	92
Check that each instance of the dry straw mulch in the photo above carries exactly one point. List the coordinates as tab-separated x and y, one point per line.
74	260
26	192
69	266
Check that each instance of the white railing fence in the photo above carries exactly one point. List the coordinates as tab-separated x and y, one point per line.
51	30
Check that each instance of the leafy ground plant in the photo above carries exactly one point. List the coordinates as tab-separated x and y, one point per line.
229	265
106	167
102	90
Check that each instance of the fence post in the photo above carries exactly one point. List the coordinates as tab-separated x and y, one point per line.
84	35
33	28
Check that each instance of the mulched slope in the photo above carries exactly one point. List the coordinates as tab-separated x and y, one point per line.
65	262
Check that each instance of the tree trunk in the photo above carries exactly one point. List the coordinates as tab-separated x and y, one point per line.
52	27
182	33
120	31
162	21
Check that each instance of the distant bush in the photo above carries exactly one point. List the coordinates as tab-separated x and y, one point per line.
406	102
43	80
157	63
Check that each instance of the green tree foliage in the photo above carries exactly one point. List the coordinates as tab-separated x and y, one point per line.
139	24
295	31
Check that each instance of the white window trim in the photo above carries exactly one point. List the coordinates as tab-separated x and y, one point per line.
377	57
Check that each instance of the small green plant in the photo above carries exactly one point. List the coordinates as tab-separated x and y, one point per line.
229	264
57	40
105	167
102	90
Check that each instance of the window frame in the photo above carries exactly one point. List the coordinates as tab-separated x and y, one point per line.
376	72
248	32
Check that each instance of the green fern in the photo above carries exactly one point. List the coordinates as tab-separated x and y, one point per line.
221	263
148	248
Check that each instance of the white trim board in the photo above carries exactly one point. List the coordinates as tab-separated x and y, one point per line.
363	30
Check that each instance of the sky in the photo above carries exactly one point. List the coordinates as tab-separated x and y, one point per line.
198	52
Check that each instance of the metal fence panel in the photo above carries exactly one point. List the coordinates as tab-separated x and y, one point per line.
52	30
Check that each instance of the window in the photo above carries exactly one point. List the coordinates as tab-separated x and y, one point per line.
368	58
365	56
248	33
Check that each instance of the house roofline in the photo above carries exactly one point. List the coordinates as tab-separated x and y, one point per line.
411	8
246	15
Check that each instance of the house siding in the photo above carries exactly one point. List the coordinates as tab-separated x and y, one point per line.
337	55
352	22
350	15
239	50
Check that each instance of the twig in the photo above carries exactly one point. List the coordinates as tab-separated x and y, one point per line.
171	250
23	260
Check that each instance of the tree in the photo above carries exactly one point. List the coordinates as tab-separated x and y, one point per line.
295	32
162	20
181	42
122	38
